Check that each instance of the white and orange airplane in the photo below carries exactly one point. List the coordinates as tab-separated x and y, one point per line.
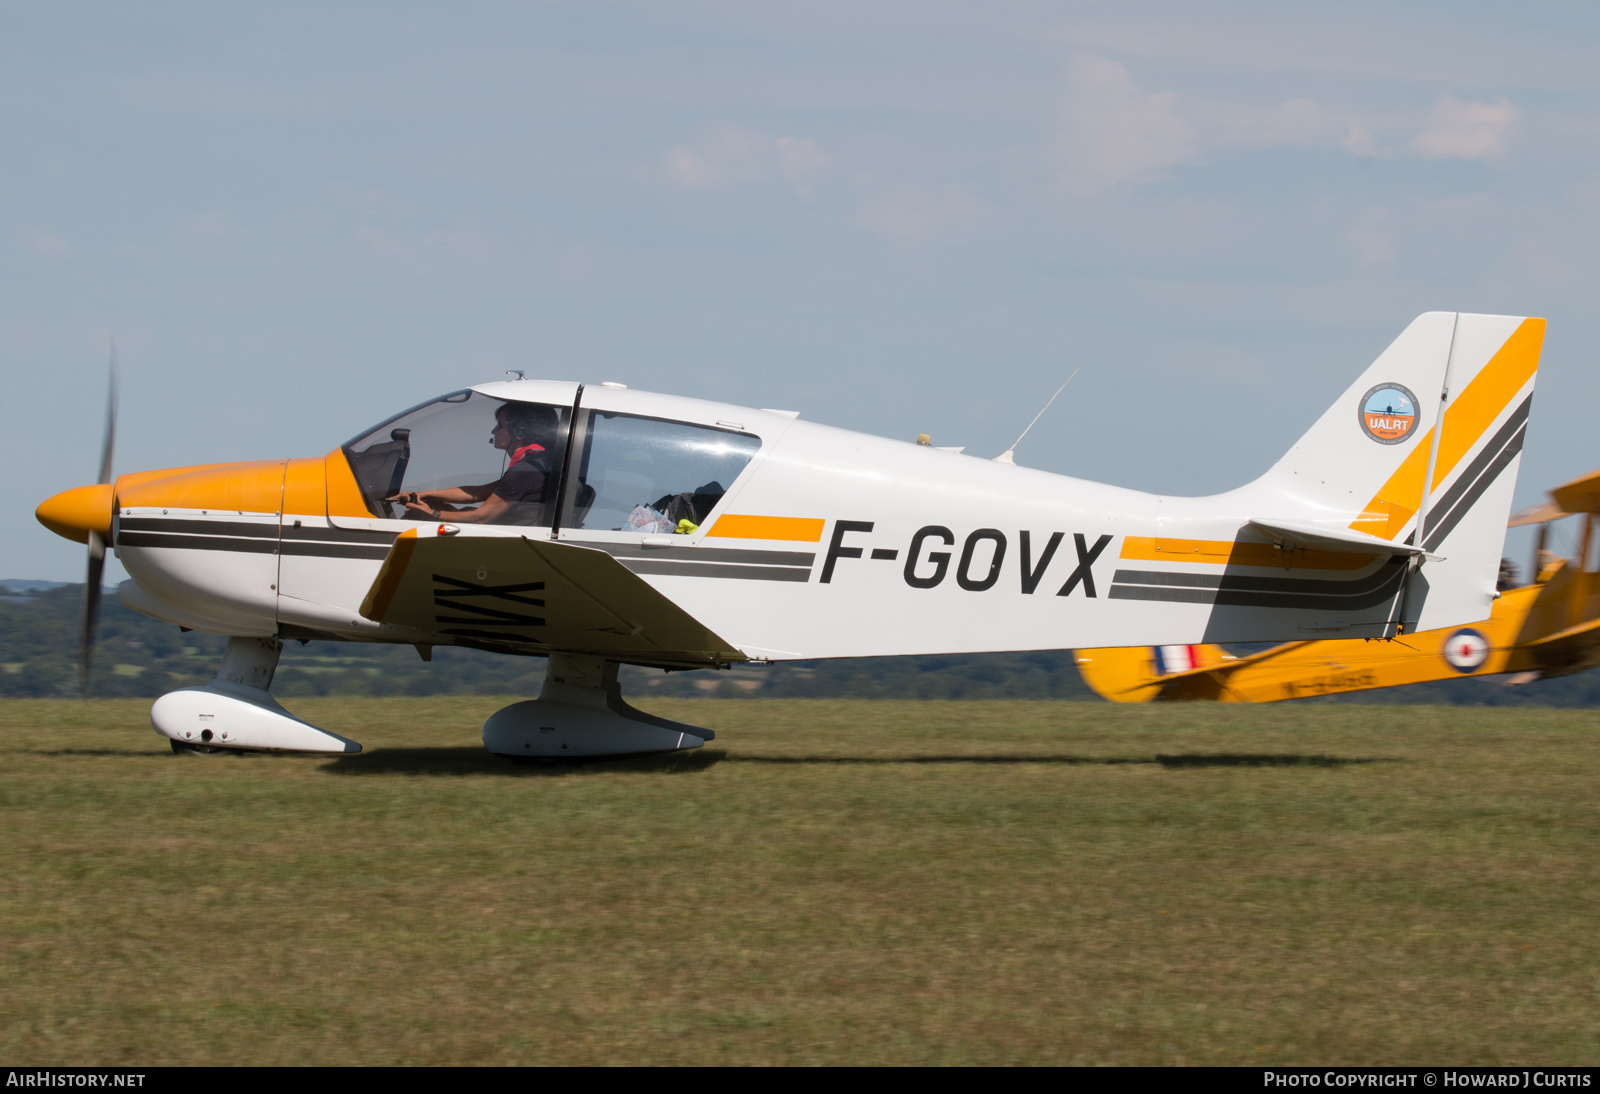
608	526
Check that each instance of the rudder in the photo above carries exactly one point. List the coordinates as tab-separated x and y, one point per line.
1424	449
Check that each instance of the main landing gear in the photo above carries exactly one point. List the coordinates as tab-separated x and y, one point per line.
580	714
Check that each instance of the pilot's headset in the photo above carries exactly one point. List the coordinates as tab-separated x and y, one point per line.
529	423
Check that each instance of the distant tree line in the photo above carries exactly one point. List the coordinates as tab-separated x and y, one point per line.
139	656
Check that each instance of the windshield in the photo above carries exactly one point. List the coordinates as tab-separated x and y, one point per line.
647	475
448	443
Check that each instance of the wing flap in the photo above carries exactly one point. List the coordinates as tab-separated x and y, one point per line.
525	595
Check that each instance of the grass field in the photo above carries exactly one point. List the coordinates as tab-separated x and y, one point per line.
869	882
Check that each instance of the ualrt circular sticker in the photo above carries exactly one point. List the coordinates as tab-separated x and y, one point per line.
1388	413
1466	650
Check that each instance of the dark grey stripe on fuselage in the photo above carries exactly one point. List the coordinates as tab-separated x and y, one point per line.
188	534
253	546
678	568
248	529
702	554
1257	592
184	533
733	563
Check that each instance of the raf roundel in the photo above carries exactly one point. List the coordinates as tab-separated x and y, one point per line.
1388	413
1466	650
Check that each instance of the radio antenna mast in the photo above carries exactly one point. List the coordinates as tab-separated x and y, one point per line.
1007	455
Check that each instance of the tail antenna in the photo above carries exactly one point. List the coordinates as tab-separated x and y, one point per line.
1008	455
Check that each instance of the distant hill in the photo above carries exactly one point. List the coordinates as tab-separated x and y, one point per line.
140	656
137	655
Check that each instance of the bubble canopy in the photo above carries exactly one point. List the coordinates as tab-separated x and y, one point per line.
628	472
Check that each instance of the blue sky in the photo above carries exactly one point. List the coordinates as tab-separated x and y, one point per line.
899	218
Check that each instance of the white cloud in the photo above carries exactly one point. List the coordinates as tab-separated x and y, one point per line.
1358	140
1468	131
911	216
687	168
1115	133
727	155
1296	122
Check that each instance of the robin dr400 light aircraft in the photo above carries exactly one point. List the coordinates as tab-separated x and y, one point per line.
615	526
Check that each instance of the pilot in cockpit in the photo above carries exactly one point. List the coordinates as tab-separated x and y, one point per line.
527	433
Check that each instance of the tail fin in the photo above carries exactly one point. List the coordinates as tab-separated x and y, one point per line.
1424	449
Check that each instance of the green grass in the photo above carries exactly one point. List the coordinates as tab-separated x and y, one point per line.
869	882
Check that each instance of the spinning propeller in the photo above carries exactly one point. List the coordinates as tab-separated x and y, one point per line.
97	542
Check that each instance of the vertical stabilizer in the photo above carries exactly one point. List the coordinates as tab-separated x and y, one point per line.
1423	449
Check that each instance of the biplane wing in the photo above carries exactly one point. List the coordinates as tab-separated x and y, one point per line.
1581	495
520	595
1297	670
1144	674
1575	649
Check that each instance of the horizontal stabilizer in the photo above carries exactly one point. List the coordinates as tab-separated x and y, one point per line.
1320	537
518	595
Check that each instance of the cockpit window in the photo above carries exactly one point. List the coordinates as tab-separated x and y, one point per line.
647	475
449	443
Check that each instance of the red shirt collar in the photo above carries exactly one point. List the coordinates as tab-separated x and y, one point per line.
524	450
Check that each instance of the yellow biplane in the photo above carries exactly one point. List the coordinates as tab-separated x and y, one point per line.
1548	628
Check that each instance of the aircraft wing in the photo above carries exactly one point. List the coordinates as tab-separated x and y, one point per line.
512	594
1579	495
1202	683
1568	651
1130	674
1537	514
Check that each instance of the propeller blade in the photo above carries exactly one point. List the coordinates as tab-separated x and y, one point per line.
94	578
91	609
108	442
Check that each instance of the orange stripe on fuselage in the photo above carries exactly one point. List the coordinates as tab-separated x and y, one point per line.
742	526
1466	420
1222	552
